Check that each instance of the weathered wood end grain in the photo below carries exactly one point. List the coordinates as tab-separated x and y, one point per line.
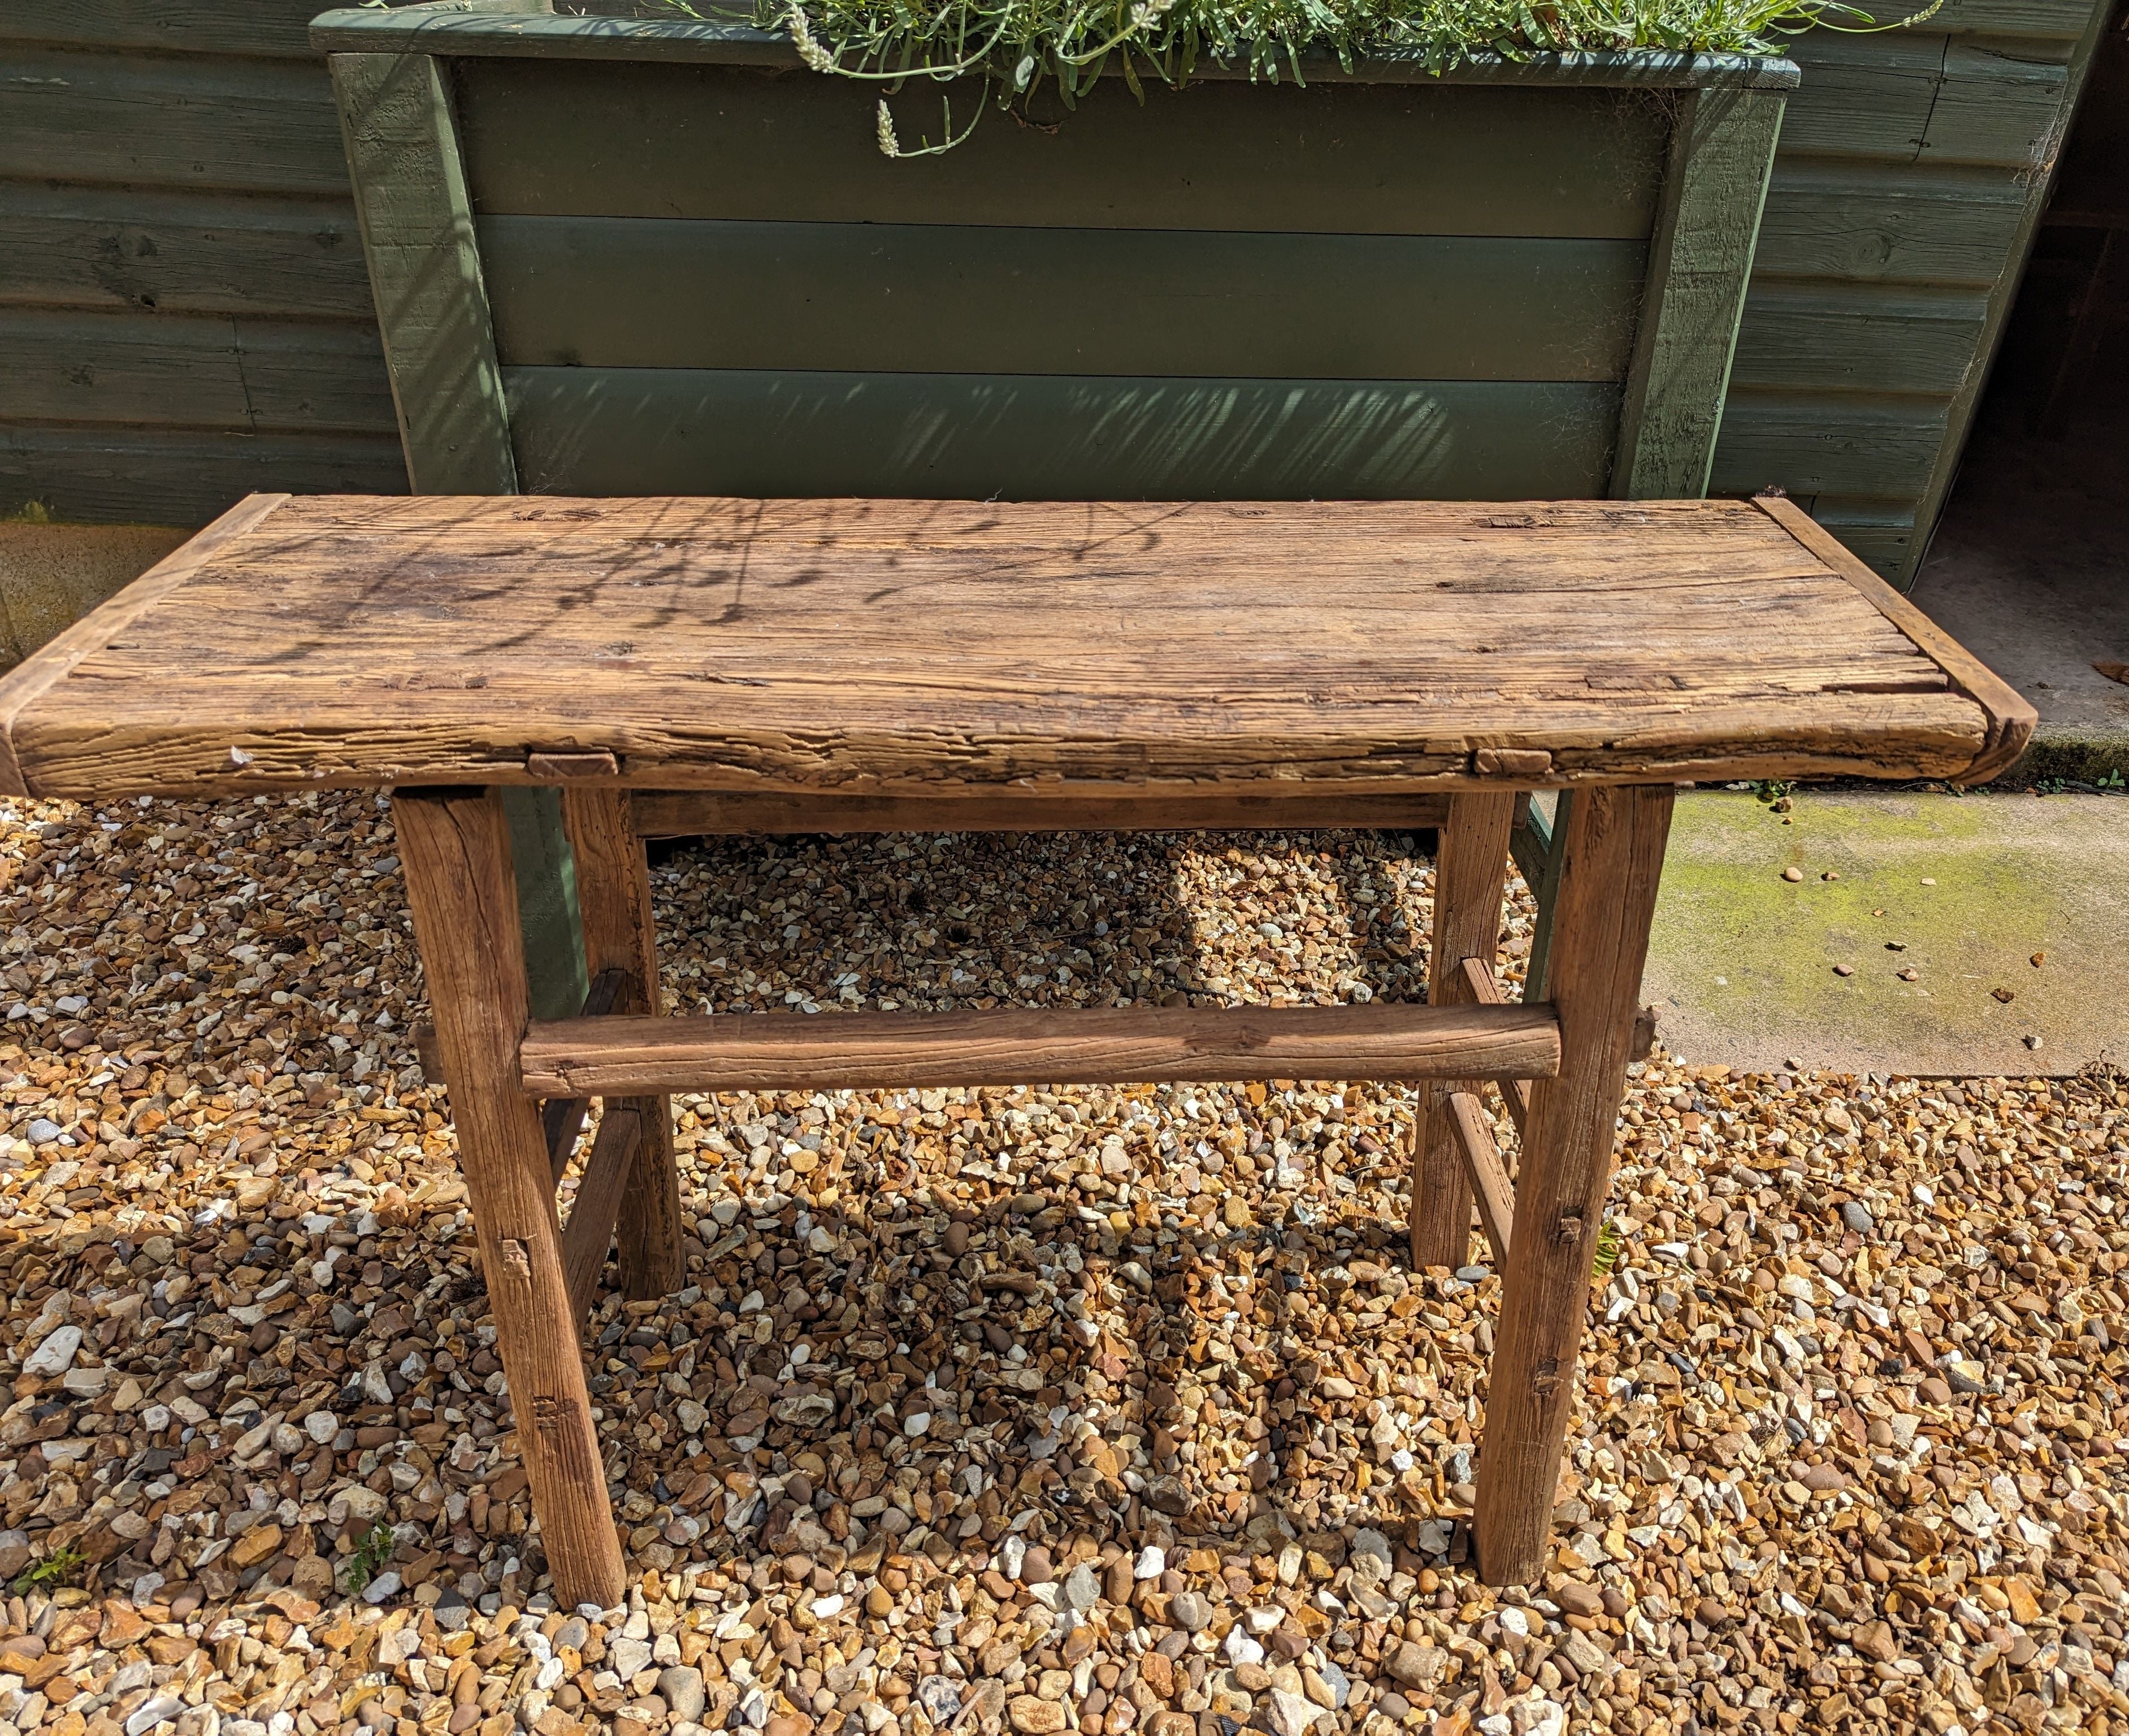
1026	1045
2012	717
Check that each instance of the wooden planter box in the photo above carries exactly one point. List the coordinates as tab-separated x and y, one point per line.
626	256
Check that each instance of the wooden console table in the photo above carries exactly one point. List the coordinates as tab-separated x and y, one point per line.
720	665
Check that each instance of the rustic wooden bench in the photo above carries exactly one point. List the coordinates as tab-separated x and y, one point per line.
705	665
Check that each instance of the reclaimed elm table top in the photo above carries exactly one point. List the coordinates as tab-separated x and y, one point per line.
847	646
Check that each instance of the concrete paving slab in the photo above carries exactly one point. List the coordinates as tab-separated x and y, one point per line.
1742	966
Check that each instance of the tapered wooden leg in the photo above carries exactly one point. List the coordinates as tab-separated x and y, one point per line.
1608	894
455	844
614	890
1470	870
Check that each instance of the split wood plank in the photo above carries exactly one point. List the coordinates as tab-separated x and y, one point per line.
590	1233
892	648
456	848
1029	1046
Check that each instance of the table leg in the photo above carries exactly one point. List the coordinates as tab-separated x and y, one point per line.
614	890
455	844
1470	870
1608	891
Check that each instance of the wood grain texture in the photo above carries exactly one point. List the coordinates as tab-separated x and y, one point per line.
1484	1174
259	376
619	933
241	125
1723	146
30	680
908	648
698	813
561	1119
965	298
1024	1045
1614	860
588	1235
457	849
962	436
2012	717
1470	873
107	474
424	273
152	251
1485	991
1857	338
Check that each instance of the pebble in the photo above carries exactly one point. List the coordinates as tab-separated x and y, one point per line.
1804	1432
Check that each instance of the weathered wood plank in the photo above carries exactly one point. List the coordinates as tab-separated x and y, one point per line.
1485	991
1879	445
62	655
200	371
1484	1172
794	646
457	849
1615	852
619	933
1722	147
1470	873
1030	1045
580	138
109	475
1882	222
941	298
424	273
262	126
1853	338
1915	97
270	29
696	813
587	1236
2012	717
589	431
178	252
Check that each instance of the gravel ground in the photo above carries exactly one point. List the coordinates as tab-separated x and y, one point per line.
1095	1410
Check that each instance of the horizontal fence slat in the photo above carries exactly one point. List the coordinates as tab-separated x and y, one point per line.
1887	223
277	29
1822	444
642	430
174	252
638	293
1849	338
1920	97
93	475
559	138
200	371
245	126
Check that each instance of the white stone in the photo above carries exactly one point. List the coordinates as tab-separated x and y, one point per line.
1289	1714
1152	1563
1240	1648
322	1426
55	1355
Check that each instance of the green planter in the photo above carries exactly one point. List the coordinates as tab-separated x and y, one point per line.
632	256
